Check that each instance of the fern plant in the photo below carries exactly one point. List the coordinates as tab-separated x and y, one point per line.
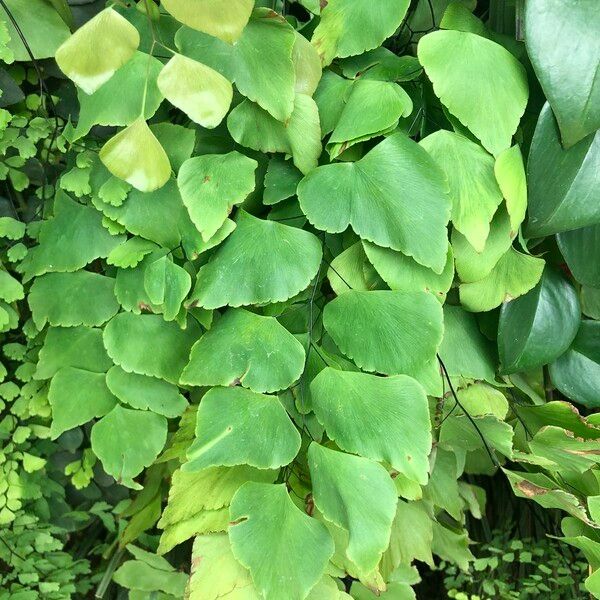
307	265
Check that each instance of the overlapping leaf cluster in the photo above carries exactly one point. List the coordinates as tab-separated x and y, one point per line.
297	270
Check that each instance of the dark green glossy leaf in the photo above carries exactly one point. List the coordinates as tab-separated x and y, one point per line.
581	249
562	43
577	372
538	327
563	183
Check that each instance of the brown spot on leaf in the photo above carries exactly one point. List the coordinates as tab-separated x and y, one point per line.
237	521
206	179
310	505
323	4
530	489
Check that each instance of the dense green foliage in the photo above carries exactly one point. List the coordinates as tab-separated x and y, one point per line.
297	297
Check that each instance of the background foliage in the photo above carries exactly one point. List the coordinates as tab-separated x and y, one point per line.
299	299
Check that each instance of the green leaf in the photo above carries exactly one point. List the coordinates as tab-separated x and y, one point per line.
143	576
119	100
148	345
394	197
464	350
76	397
259	63
564	51
358	495
246	349
382	418
472	265
199	501
474	192
130	253
285	550
381	64
42	41
70	240
246	268
11	228
226	433
11	289
543	490
211	185
372	108
117	442
577	372
281	181
215	571
512	276
202	93
307	66
167	285
79	347
567	452
510	175
349	27
452	546
136	156
538	327
351	270
454	61
68	299
96	50
387	332
146	393
577	246
404	274
562	183
299	136
223	19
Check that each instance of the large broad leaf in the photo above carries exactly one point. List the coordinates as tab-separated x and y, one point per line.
227	434
581	247
474	191
512	276
148	345
299	136
464	350
216	573
199	501
386	332
563	184
567	452
563	45
373	108
349	27
402	273
307	66
146	393
472	265
119	100
394	197
42	41
510	174
247	349
79	347
96	50
281	181
76	397
202	93
538	327
211	185
68	299
382	418
136	156
127	440
260	63
70	240
285	550
577	372
224	19
454	61
358	495
246	268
